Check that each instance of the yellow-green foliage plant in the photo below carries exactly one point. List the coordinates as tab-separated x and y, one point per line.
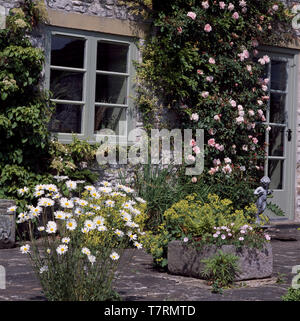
197	222
83	234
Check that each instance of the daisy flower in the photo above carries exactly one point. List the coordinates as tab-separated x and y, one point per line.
46	202
114	256
62	249
132	236
105	183
23	190
71	224
102	228
60	215
65	203
25	248
41	228
11	209
95	194
38	193
86	251
66	240
119	232
89	225
98	220
43	269
105	190
51	227
85	230
110	203
71	185
138	245
90	188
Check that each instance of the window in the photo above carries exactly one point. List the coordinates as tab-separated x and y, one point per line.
91	78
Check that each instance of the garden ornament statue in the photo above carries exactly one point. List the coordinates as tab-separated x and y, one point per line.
262	192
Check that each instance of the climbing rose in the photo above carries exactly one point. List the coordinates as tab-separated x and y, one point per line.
192	15
211	142
205	4
235	16
230	7
222	5
207	28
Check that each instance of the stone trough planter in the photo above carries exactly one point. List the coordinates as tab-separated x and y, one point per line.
253	263
7	225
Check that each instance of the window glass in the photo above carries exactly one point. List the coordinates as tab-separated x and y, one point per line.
66	119
112	57
67	51
111	118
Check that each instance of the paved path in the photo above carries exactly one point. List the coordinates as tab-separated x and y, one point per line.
138	281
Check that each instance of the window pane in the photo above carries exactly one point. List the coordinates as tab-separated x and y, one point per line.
67	51
112	57
112	118
66	85
276	141
66	119
276	173
111	89
278	75
277	108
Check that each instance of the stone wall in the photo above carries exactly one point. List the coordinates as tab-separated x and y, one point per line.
101	8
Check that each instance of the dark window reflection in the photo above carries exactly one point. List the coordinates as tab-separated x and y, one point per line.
67	51
66	119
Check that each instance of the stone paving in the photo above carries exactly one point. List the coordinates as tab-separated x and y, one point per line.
138	281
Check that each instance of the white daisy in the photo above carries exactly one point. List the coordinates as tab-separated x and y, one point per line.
110	203
25	248
23	190
62	249
102	228
114	256
11	209
51	227
86	251
60	215
65	240
89	225
132	236
98	220
71	224
41	228
119	232
138	245
64	202
71	185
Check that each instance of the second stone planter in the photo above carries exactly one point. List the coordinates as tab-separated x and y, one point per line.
7	224
184	259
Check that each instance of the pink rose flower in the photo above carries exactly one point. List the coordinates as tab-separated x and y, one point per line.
255	140
235	15
205	4
211	142
251	112
245	148
195	117
191	158
210	78
207	28
194	179
240	107
241	113
230	7
179	30
227	169
192	143
255	43
211	61
196	150
191	15
222	5
217	117
275	7
212	171
216	162
199	72
260	112
249	68
227	160
242	3
205	94
219	147
239	120
232	103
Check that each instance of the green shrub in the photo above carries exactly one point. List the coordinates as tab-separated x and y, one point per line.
221	269
292	295
212	222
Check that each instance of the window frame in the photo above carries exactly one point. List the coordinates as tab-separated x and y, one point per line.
89	81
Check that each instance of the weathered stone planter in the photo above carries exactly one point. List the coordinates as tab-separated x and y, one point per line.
253	263
7	225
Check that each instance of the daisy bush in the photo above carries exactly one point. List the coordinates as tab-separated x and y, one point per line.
82	236
205	67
